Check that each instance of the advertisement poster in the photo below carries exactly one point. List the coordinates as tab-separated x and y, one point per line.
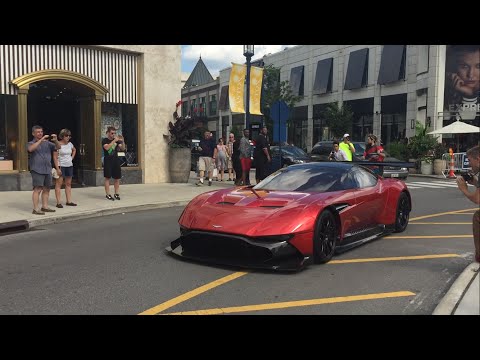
462	81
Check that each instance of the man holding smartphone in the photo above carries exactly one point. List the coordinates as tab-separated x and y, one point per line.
40	163
347	147
474	158
111	163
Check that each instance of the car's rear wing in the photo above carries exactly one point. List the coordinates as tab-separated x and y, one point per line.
401	164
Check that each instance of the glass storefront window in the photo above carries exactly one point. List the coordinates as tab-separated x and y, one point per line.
8	131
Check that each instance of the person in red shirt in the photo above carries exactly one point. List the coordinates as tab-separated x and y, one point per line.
374	152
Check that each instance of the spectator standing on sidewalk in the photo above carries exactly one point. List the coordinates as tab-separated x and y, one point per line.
111	162
261	155
63	160
206	160
40	149
245	155
474	158
337	154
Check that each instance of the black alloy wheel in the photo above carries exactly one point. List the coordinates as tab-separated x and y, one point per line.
325	237
403	213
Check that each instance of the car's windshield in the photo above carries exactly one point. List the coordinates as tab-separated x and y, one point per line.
308	179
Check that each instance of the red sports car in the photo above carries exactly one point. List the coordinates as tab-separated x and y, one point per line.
300	214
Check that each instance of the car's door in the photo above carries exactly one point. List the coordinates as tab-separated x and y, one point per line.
369	196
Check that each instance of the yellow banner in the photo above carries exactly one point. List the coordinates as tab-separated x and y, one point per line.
256	79
236	88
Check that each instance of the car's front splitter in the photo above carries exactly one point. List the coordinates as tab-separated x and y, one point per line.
234	250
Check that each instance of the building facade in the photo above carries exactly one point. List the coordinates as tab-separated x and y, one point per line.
86	89
388	88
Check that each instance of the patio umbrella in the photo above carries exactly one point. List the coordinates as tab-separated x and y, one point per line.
457	127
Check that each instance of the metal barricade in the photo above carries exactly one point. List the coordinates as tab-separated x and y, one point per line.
458	162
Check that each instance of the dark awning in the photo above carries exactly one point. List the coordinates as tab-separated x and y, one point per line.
323	77
392	67
296	80
357	72
223	103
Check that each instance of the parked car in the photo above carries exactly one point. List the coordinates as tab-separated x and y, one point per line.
322	149
290	155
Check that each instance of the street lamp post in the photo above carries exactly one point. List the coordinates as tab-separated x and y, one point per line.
248	52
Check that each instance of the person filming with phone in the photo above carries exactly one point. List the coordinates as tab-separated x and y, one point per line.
472	178
40	163
112	144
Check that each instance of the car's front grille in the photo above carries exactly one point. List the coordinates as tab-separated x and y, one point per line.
208	245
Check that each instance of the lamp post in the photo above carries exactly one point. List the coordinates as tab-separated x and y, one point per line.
248	52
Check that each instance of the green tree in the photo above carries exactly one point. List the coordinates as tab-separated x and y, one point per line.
338	119
275	90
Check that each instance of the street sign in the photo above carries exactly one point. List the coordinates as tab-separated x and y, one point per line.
279	113
465	162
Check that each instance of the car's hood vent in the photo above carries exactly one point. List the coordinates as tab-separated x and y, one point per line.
225	203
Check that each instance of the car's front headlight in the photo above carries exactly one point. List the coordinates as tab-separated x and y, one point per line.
295	161
404	169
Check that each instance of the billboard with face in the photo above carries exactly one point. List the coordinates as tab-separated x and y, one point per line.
462	81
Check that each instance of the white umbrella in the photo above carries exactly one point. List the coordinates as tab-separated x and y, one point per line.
457	127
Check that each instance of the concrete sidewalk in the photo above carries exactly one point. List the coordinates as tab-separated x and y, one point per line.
16	206
16	211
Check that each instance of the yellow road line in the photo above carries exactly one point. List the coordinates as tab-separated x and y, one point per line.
392	258
437	223
440	214
291	304
195	292
429	237
464	213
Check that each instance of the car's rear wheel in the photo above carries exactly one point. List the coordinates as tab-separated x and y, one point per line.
403	213
325	237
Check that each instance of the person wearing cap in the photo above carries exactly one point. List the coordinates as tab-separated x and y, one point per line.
347	147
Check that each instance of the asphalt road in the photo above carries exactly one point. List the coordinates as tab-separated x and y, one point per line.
117	265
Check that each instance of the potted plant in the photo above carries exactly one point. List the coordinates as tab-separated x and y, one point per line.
426	162
420	145
179	141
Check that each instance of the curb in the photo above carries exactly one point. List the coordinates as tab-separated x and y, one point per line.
14	226
102	212
451	300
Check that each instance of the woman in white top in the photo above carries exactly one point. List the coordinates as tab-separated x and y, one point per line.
63	160
220	154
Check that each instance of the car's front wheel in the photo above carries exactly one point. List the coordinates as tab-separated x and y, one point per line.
325	237
403	213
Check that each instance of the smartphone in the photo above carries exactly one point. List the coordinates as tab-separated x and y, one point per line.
467	176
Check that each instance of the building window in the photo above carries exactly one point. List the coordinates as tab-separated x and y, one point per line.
225	128
357	71
320	128
392	66
423	58
185	108
213	105
296	80
224	102
193	107
9	129
299	127
323	77
202	108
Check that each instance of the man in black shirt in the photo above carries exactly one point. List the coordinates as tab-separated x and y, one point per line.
261	155
111	163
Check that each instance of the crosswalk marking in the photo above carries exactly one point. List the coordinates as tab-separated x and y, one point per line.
434	184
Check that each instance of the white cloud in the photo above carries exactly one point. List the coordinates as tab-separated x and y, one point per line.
217	57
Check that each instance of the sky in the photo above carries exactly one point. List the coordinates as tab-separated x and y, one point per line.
218	57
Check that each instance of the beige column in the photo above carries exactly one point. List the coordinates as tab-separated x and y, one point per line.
22	158
97	123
